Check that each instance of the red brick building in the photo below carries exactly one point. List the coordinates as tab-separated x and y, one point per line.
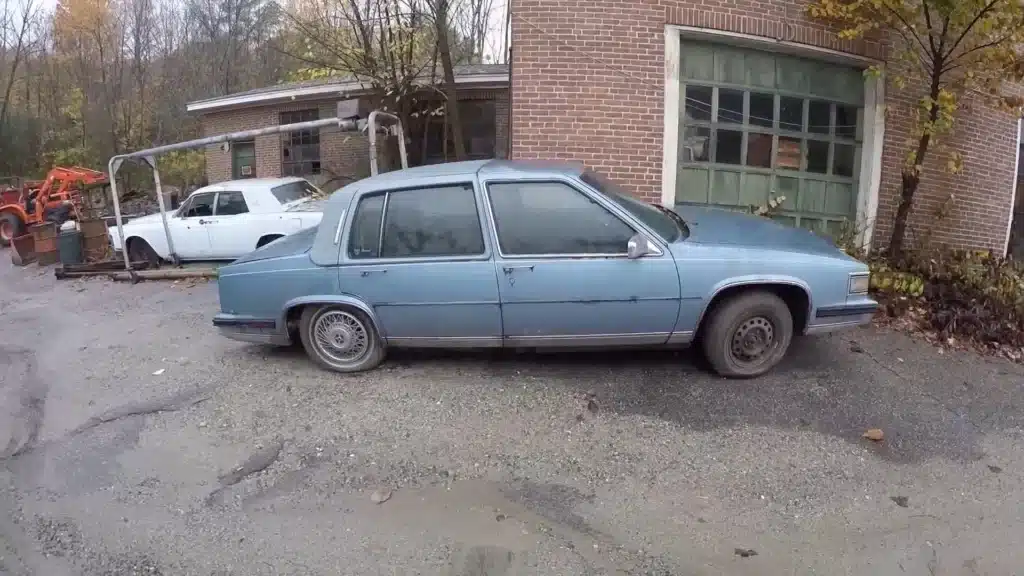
330	157
728	101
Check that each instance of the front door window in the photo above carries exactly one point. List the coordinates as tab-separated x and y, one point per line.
552	218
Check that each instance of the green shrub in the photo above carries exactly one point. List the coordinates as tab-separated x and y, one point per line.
967	294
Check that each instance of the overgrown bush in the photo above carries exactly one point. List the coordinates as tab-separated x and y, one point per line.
967	294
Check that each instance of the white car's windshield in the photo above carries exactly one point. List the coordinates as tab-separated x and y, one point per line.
295	191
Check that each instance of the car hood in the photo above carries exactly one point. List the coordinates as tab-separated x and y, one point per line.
724	227
150	219
291	245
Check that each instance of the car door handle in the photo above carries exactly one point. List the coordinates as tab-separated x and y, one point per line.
511	269
366	273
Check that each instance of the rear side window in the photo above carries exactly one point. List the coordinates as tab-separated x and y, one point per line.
231	203
365	235
420	223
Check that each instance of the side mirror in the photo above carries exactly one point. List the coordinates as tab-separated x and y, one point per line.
638	247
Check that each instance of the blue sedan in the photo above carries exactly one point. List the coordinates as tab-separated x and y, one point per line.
535	255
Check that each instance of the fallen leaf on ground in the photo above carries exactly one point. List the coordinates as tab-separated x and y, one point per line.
901	501
854	347
874	434
994	469
745	552
380	496
159	372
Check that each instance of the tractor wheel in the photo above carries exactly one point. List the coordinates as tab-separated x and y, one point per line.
10	228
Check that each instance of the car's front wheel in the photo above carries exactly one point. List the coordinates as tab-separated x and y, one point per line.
340	338
140	251
748	334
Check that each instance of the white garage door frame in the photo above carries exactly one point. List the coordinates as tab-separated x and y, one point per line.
870	176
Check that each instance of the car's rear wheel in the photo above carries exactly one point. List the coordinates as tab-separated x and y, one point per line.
747	335
340	338
140	251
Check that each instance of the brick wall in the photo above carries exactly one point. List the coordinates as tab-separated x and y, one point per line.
344	155
588	85
978	213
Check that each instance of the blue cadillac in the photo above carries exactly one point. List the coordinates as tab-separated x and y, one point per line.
530	255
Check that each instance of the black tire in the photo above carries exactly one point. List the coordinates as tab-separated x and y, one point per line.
748	334
349	324
10	228
140	251
267	240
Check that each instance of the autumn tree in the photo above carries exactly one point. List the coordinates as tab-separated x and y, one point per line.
949	47
442	13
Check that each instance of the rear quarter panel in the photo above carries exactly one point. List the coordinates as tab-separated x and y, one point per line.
260	289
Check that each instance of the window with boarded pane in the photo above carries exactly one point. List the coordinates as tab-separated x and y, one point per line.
754	124
300	150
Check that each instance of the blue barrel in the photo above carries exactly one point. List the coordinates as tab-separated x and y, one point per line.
69	245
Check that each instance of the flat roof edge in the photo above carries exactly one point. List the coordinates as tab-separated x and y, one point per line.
342	88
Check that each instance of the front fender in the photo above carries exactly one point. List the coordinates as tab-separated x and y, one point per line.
751	280
344	299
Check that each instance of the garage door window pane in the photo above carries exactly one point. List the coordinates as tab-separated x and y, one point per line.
759	150
698	102
817	156
789	155
846	121
730	106
550	218
696	144
762	109
432	222
843	160
818	117
729	147
791	113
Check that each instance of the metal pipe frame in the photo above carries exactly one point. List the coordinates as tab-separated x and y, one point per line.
149	157
373	139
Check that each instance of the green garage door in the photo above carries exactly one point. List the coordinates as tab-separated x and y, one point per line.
755	124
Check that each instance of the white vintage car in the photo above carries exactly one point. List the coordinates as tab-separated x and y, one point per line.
226	220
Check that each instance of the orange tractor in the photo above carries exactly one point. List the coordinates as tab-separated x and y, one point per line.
34	202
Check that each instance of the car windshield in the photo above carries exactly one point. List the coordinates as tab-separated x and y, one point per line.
298	190
663	221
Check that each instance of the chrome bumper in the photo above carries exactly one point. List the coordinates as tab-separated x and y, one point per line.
253	330
835	318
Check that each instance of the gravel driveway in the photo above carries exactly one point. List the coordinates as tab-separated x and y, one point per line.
135	440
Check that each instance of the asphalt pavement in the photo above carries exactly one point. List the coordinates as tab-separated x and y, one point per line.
135	440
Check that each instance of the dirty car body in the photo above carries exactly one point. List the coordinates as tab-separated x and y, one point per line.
534	255
225	220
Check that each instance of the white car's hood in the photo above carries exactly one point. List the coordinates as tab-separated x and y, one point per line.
146	219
